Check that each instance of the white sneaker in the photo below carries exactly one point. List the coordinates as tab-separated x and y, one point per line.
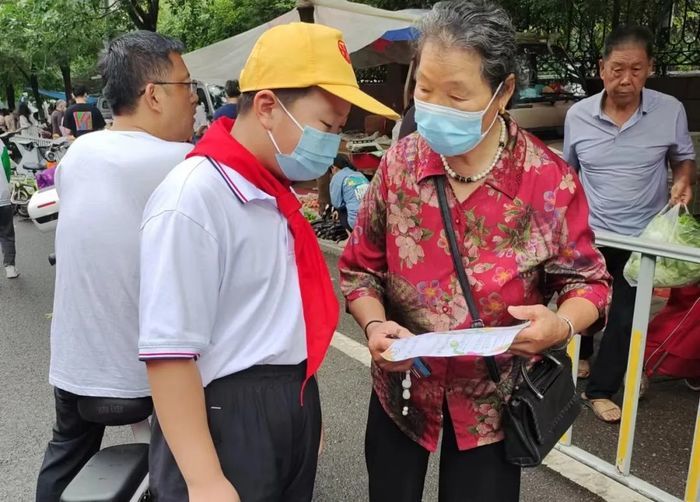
11	272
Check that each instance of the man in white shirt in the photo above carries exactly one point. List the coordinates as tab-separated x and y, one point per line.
237	305
104	182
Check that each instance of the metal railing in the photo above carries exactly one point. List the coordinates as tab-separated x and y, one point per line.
621	470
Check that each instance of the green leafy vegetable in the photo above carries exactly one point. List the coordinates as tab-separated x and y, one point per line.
674	228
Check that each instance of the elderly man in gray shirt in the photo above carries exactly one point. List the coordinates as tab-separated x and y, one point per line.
621	142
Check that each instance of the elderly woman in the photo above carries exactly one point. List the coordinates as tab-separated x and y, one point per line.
522	224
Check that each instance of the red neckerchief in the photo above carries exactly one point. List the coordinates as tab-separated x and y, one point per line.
318	298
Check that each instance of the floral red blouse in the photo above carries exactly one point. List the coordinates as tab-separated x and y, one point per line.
526	237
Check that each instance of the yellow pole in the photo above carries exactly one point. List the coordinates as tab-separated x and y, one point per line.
629	406
642	308
692	487
573	350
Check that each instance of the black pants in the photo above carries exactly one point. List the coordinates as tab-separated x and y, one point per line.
73	443
266	441
587	347
397	465
610	365
7	234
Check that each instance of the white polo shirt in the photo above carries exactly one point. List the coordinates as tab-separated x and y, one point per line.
104	182
219	278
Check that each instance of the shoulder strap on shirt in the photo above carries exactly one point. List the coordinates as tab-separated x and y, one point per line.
477	322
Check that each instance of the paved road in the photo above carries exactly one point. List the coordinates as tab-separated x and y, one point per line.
26	405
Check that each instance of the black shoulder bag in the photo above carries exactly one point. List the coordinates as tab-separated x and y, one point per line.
544	402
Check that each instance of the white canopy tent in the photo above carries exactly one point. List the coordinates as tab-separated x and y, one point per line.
362	25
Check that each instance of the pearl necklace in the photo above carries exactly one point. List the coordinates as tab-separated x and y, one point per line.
472	179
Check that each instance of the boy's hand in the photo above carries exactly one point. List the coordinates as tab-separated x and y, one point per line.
218	490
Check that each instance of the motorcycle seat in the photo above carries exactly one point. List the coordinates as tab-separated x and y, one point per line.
112	411
113	474
33	167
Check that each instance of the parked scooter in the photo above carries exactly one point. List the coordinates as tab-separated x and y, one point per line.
12	149
117	473
22	187
38	153
43	207
24	183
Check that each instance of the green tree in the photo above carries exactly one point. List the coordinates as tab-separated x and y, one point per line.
44	39
71	31
21	45
202	22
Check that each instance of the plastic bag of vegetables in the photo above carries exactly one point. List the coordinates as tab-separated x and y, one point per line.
673	225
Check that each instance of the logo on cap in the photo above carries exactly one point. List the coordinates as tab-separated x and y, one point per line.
344	51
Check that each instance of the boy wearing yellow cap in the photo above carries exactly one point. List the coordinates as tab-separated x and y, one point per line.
237	308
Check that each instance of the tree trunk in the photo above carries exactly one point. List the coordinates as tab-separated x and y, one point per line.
34	82
10	93
305	8
569	23
616	14
67	83
143	19
663	35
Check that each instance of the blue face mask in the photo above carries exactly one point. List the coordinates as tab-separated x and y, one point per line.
312	156
449	131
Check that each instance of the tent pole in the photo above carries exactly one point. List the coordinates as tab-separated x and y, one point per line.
306	15
306	11
407	84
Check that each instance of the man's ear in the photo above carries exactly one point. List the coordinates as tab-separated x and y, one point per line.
264	107
152	97
601	66
652	66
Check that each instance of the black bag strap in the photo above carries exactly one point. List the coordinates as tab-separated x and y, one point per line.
477	322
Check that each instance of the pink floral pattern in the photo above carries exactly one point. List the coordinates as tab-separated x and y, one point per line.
429	292
568	183
525	236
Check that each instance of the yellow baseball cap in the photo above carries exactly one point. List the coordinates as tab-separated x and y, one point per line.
298	55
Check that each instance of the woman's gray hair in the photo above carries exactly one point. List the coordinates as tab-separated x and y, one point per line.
481	26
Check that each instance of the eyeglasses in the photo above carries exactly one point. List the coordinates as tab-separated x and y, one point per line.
193	84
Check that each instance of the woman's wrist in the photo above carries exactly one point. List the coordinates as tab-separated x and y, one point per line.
570	332
370	323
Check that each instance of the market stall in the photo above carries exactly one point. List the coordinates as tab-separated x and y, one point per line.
373	36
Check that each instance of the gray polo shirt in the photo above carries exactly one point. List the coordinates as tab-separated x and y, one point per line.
624	170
